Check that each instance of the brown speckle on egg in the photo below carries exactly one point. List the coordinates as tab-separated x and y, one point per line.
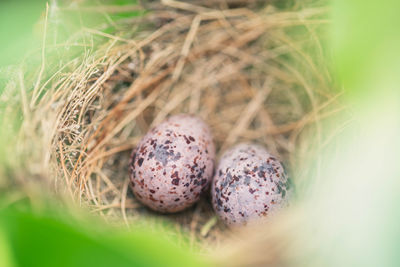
249	183
170	168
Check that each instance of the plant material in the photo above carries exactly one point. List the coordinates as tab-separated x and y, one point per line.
97	92
48	238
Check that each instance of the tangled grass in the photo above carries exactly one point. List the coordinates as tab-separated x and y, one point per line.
252	72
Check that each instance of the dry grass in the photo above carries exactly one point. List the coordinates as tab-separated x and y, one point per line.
247	72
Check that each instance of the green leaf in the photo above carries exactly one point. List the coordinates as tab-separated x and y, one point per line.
46	239
5	255
366	40
17	20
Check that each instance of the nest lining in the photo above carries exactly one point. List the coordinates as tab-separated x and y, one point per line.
243	71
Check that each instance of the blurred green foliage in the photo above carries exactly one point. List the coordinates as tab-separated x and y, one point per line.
21	22
5	255
49	238
354	209
17	19
357	217
366	40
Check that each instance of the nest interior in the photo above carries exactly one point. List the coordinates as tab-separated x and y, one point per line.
253	74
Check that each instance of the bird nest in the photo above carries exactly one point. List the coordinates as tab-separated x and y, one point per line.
252	72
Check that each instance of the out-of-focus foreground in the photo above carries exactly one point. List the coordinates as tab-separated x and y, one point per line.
345	212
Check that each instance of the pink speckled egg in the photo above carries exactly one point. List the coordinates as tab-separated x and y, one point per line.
249	183
173	164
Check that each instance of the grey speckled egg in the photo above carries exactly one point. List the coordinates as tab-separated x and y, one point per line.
173	164
249	183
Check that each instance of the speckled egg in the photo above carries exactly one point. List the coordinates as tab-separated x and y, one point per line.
249	183
173	164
